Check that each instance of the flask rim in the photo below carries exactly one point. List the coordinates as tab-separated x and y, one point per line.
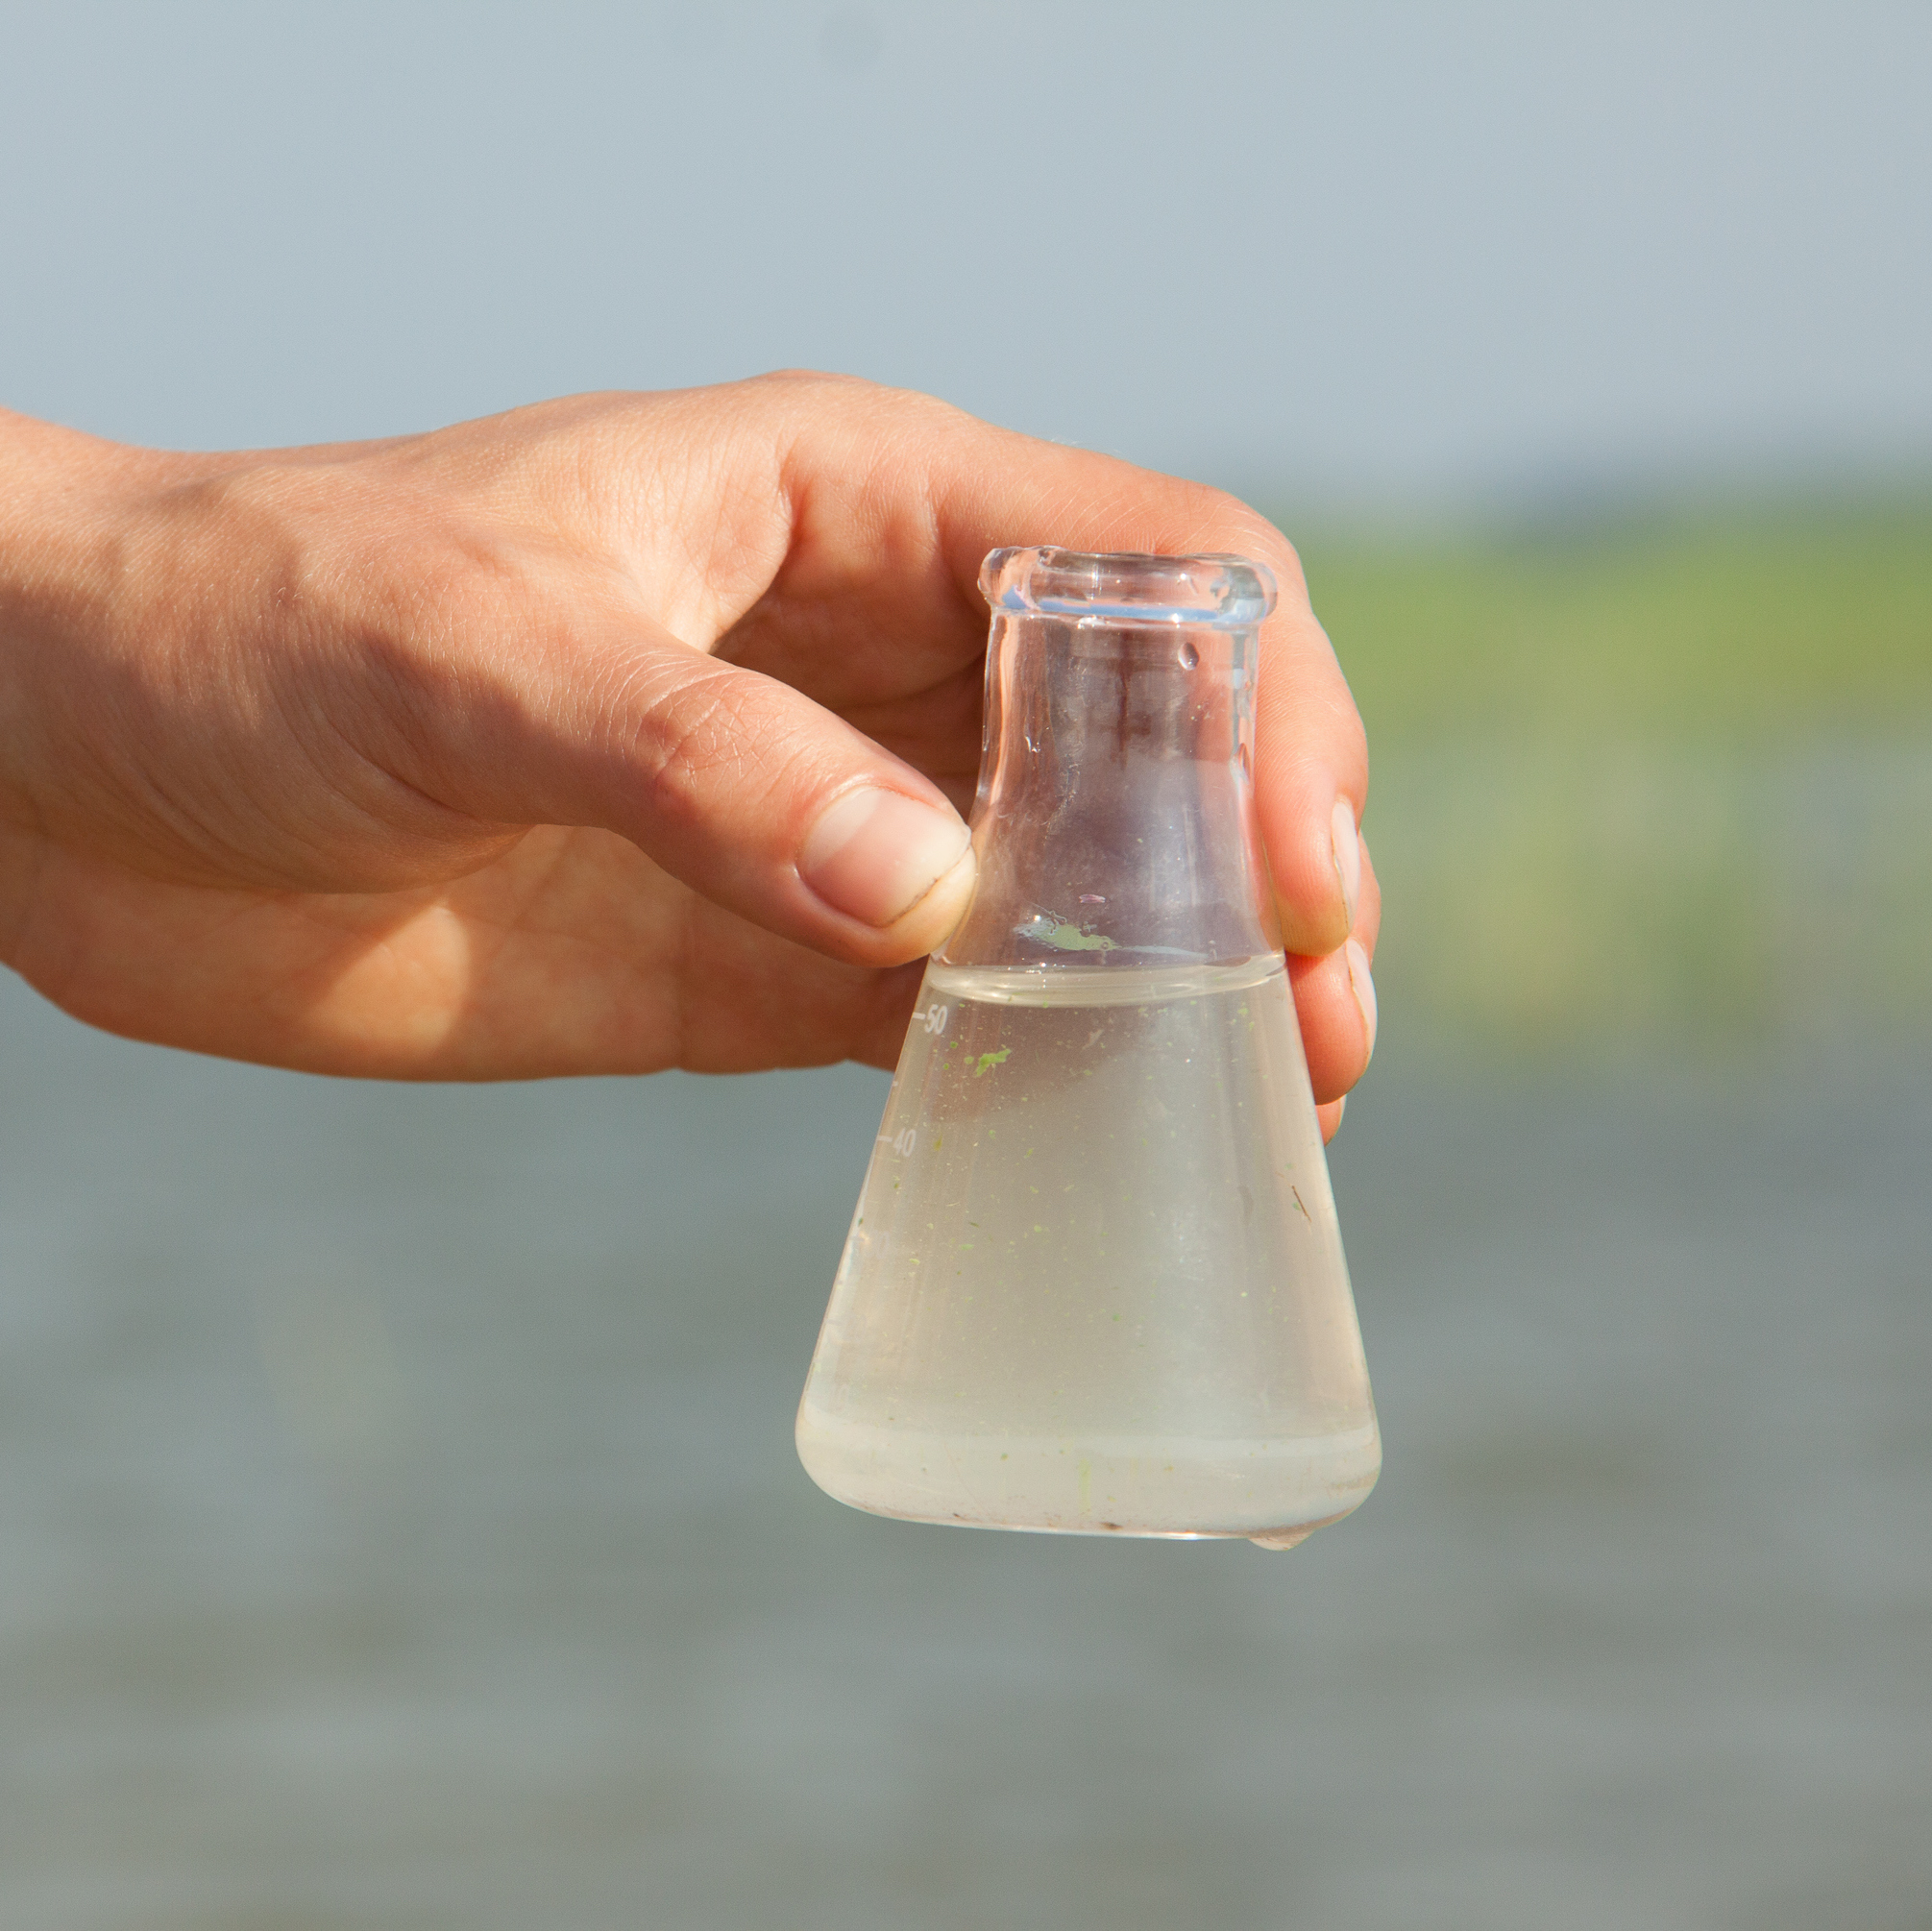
1212	591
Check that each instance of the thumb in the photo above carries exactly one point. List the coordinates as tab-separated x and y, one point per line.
735	783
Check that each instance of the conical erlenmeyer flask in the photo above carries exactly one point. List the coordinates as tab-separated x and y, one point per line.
1095	1281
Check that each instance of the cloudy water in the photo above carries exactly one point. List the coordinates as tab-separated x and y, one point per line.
1094	1283
400	1526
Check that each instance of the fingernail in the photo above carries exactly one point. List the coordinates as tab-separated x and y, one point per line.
1362	985
1348	855
1341	1109
874	854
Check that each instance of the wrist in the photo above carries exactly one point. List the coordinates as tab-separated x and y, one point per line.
67	506
67	503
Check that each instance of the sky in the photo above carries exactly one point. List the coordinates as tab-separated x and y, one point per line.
1369	256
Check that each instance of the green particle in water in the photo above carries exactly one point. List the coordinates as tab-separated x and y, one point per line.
987	1063
1048	928
1068	938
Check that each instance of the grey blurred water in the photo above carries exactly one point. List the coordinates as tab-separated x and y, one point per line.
398	1527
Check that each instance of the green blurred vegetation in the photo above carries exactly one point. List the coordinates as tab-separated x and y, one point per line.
1785	623
1662	783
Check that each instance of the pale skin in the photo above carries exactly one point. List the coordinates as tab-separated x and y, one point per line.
612	734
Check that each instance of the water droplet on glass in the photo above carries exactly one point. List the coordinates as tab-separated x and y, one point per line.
1189	657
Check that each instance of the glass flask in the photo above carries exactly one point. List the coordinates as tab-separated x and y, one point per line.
1094	1283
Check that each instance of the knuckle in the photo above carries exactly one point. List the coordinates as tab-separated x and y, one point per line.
692	733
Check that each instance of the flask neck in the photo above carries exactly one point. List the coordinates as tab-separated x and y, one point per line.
1115	825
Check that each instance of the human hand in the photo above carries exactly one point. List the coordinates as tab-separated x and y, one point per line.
612	734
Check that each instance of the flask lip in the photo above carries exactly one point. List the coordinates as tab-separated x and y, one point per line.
1221	593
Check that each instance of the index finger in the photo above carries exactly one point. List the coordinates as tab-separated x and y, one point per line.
896	501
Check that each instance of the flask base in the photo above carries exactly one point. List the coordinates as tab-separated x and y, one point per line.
1175	1488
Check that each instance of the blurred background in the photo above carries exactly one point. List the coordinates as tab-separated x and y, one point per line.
399	1523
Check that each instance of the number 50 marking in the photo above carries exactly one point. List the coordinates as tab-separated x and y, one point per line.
934	1018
